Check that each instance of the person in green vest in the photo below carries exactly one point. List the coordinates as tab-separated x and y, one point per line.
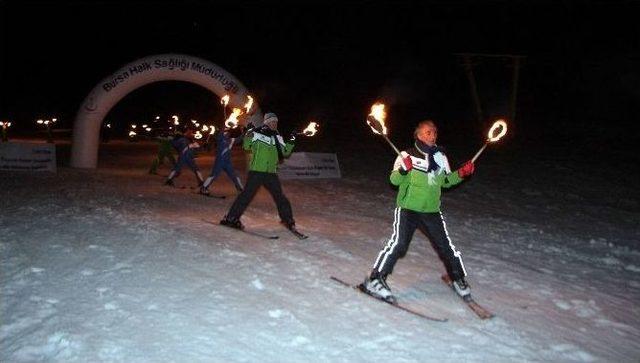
420	174
268	149
165	151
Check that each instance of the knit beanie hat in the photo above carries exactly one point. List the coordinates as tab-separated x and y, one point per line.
270	117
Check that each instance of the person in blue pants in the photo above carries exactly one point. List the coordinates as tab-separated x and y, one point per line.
225	140
184	145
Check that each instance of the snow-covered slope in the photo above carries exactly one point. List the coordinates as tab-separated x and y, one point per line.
110	265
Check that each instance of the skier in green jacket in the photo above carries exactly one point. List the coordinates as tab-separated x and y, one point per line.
268	149
165	151
420	174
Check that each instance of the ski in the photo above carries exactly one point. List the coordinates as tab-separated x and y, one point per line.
297	233
478	309
211	195
249	232
361	289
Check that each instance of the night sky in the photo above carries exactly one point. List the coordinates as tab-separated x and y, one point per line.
330	60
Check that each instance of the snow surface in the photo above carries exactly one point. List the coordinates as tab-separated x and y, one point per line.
109	265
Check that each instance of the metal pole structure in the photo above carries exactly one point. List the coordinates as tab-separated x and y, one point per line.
474	88
514	92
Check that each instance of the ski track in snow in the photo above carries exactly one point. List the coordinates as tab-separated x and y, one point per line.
110	265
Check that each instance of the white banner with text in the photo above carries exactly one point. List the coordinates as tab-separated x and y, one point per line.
310	166
27	156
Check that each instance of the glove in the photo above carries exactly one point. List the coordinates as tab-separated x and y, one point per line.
292	137
248	128
234	133
406	165
466	169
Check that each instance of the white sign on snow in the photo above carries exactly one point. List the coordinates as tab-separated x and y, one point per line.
309	166
27	156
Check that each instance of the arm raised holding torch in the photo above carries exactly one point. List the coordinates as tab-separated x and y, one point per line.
375	120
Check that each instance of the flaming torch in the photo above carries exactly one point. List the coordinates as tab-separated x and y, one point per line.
210	130
48	124
5	126
492	136
232	121
224	101
310	130
247	106
375	120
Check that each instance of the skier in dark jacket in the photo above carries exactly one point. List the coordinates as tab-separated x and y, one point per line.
184	145
268	148
225	140
420	174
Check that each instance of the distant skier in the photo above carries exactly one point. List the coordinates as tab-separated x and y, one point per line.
268	148
165	151
225	140
184	145
420	174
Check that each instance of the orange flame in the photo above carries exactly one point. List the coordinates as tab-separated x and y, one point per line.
499	124
247	106
379	115
224	100
232	121
311	129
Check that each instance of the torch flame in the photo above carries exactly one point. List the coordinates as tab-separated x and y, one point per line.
491	136
311	129
379	115
224	100
175	120
232	121
247	106
197	135
212	130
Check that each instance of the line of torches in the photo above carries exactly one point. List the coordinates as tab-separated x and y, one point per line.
232	121
376	120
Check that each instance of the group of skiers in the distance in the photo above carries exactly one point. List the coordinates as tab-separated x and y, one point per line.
419	174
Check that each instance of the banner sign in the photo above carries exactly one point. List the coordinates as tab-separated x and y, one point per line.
27	156
309	166
155	68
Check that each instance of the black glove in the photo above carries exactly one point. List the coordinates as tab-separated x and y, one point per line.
248	128
292	137
234	133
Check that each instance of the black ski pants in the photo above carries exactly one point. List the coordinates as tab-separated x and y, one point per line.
433	225
270	181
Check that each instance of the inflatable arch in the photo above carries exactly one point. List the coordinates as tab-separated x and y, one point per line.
164	67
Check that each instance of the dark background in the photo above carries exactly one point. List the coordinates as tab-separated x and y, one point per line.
330	60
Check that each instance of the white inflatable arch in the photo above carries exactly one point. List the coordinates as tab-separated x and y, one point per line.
164	67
